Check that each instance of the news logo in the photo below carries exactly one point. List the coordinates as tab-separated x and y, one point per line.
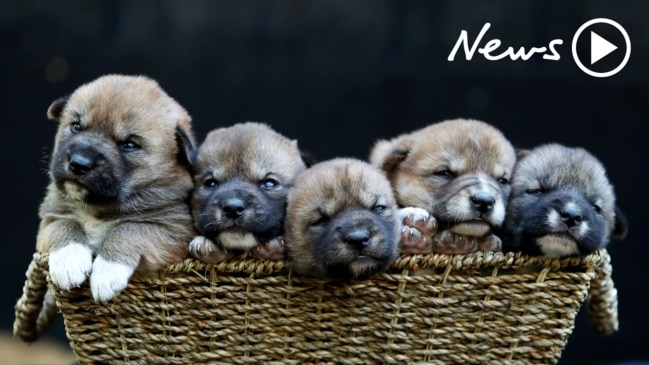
602	53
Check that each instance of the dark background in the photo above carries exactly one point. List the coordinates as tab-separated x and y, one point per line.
336	75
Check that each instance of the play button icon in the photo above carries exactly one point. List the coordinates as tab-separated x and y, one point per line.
610	47
599	47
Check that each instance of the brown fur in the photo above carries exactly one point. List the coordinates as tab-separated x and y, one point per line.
331	201
130	208
237	163
439	167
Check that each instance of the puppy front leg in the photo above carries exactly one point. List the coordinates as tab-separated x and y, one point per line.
418	226
490	242
451	243
117	258
70	260
204	249
274	250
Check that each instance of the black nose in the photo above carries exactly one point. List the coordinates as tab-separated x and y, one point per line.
359	239
570	216
233	208
82	163
483	202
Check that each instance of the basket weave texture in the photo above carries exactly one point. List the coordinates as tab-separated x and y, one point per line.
480	308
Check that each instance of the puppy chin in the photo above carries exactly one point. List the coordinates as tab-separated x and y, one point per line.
557	245
363	267
75	191
471	228
237	240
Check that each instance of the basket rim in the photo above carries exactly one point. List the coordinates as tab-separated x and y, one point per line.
477	260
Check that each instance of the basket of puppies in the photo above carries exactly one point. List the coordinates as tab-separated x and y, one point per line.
448	246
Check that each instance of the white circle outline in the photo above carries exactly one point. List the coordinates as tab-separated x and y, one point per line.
626	40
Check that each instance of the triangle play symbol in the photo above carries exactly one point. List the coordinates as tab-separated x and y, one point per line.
599	47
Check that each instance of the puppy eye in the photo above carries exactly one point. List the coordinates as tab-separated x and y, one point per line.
320	221
597	208
379	209
534	191
268	184
503	181
445	173
210	183
75	127
128	146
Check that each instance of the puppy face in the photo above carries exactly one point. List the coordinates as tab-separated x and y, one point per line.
458	170
112	146
341	221
243	175
562	204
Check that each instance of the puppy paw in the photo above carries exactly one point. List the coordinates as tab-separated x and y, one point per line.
272	250
490	242
419	219
207	251
450	243
413	242
70	265
108	278
417	228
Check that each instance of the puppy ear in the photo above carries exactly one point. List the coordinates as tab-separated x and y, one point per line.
393	159
307	158
186	148
521	153
621	227
55	109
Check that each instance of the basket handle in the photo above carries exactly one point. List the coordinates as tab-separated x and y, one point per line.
602	301
36	308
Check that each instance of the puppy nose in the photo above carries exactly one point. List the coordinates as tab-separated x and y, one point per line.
233	208
483	202
359	239
570	216
81	163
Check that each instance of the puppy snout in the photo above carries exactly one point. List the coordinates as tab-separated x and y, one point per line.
570	216
82	160
233	208
483	202
359	239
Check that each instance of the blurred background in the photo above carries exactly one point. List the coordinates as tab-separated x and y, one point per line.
336	75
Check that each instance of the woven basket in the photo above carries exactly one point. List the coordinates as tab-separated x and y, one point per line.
479	308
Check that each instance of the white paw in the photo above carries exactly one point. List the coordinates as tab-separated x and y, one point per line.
108	278
207	251
70	265
416	214
201	246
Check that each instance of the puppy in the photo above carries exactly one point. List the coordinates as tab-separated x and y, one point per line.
120	181
561	204
341	221
243	174
451	176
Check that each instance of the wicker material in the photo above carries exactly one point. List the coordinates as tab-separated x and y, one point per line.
480	308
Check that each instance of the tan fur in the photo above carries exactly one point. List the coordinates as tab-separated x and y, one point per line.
324	193
251	150
238	159
145	223
477	155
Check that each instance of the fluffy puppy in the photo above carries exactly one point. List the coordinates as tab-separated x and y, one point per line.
243	174
562	204
120	180
451	176
341	221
